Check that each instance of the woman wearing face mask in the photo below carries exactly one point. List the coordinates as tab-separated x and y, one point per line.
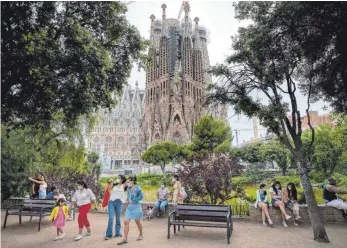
162	196
177	188
263	204
83	197
134	209
114	199
277	200
291	196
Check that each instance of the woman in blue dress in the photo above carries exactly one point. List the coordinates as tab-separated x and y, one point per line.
134	209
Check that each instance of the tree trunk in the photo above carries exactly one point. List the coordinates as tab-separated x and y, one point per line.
163	168
284	170
317	223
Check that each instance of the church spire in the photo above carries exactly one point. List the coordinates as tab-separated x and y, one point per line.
197	43
164	25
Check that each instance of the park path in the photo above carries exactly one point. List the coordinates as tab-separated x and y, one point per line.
246	235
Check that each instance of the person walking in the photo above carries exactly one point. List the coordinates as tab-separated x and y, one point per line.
58	215
134	209
83	198
115	197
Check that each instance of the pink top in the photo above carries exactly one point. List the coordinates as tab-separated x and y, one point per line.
60	220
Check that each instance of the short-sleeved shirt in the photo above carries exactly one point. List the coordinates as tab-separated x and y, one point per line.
83	197
163	192
279	193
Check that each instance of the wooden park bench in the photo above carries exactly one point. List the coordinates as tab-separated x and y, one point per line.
202	216
31	207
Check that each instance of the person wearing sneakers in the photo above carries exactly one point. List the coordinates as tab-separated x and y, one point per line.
83	197
58	215
291	196
134	209
114	199
262	203
277	200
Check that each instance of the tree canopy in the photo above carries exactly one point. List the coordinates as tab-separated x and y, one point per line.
319	31
161	154
63	57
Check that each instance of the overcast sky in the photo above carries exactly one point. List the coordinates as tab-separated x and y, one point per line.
218	18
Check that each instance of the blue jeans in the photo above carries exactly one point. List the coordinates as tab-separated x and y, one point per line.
162	205
114	207
42	195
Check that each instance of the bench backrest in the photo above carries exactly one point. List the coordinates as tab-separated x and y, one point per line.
211	213
39	203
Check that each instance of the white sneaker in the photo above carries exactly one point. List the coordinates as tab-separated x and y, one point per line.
264	224
298	218
87	234
288	217
270	222
56	238
285	224
62	236
78	237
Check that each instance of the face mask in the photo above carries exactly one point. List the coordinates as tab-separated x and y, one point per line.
162	186
129	185
117	181
290	188
277	187
262	190
80	187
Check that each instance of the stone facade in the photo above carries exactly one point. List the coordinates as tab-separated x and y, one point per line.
176	80
330	215
116	135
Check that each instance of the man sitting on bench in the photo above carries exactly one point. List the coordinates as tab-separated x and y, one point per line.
330	198
162	202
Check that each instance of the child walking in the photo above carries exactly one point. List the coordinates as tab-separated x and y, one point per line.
58	215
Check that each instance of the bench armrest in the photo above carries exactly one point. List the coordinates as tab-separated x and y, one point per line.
169	217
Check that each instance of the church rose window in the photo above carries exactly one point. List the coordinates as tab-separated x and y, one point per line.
108	139
121	139
96	140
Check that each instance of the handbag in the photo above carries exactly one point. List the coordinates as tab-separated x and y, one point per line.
182	194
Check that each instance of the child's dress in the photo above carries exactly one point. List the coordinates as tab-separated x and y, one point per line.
59	222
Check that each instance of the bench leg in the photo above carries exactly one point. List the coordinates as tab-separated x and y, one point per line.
168	230
179	228
30	218
174	229
40	223
183	225
5	220
20	219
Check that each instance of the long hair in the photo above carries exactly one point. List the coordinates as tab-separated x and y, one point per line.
123	180
81	182
177	178
59	201
133	179
274	188
262	186
293	192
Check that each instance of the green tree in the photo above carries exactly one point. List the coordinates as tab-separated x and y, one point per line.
161	154
211	136
321	41
63	57
275	151
269	62
330	153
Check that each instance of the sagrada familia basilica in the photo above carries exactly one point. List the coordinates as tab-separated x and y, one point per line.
171	103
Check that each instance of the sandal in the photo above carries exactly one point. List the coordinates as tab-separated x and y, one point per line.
139	238
123	242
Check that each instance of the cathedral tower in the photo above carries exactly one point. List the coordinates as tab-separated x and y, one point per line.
176	79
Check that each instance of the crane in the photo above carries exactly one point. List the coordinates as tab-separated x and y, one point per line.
184	4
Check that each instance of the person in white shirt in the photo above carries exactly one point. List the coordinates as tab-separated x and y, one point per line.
162	196
115	196
277	200
83	198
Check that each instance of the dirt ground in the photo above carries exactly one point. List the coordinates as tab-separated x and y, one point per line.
246	235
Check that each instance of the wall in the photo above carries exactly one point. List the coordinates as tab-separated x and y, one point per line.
330	215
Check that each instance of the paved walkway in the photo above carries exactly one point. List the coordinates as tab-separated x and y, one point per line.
245	235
